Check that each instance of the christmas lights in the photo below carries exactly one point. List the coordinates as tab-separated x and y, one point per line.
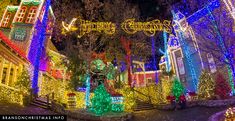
88	26
177	89
186	54
87	99
226	53
206	86
101	102
149	28
36	47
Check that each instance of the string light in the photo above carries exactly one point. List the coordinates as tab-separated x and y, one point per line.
36	47
88	26
187	55
206	86
228	59
87	99
101	102
149	28
177	89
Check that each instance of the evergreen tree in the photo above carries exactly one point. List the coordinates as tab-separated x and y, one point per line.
101	102
206	86
23	82
222	88
177	89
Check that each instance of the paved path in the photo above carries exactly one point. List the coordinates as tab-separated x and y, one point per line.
191	114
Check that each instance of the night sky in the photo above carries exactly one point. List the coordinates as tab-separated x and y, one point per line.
149	10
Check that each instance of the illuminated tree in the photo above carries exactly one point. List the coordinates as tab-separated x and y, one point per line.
222	88
23	82
101	102
214	36
177	89
206	86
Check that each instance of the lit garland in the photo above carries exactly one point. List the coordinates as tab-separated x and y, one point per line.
206	86
88	26
149	28
101	102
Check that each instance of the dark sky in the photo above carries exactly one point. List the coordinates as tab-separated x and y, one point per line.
149	9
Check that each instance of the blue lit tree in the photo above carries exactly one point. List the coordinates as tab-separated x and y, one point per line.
215	35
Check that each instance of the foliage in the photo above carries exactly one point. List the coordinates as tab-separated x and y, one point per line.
78	68
206	86
177	89
117	107
23	82
101	102
5	3
129	99
222	88
166	87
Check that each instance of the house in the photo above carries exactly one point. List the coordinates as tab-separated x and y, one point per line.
25	42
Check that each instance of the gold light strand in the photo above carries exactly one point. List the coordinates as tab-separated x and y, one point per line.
86	27
149	28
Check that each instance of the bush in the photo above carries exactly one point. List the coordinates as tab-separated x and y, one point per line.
222	87
177	89
206	86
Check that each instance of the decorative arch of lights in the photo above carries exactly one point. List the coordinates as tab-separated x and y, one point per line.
130	26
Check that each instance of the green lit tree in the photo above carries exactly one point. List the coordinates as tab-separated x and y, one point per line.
177	89
206	86
101	102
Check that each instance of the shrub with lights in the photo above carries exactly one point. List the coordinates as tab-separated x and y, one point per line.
206	86
177	89
101	102
222	87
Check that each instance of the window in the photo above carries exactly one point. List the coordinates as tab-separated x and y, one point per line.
6	20
21	14
211	62
31	15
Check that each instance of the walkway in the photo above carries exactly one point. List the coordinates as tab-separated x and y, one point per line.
191	114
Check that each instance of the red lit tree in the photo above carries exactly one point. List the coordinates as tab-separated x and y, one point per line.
222	88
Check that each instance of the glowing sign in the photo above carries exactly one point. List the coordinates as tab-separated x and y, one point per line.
129	26
149	28
86	27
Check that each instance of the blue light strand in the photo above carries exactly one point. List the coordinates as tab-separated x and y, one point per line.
202	12
168	68
225	51
165	52
40	37
154	59
186	53
87	98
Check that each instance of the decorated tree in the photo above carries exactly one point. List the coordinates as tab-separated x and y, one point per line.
23	82
177	89
206	86
101	102
222	87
